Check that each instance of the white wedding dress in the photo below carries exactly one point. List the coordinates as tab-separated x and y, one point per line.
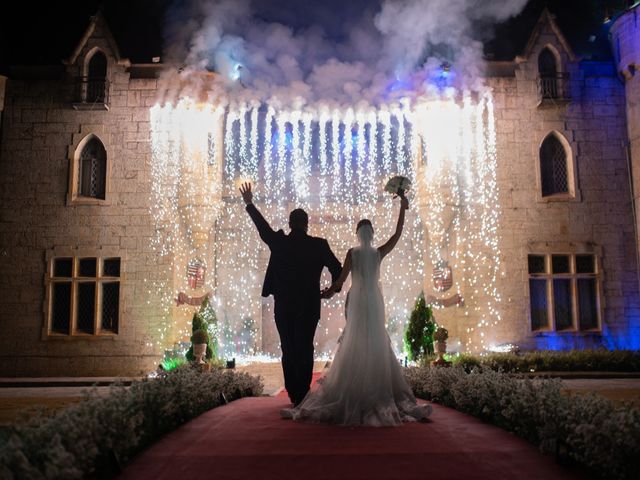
364	385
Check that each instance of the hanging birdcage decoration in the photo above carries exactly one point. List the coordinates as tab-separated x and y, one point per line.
196	271
442	276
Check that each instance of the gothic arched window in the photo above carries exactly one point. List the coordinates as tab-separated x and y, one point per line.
92	175
548	72
554	174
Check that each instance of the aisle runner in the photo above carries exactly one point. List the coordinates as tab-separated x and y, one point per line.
282	393
247	439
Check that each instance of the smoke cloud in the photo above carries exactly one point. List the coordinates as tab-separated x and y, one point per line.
330	52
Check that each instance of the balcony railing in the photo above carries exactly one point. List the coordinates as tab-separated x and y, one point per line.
91	92
554	88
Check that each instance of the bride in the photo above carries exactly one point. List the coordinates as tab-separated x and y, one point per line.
364	385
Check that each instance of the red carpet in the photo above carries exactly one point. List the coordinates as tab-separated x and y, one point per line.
314	378
247	439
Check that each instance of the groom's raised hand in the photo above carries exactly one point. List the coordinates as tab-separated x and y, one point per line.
247	194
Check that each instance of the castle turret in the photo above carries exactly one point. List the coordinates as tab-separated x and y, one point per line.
625	41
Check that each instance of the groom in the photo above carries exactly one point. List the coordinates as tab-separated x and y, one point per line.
293	278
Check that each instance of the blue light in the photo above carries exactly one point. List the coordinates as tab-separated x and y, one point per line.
581	341
445	75
400	81
445	69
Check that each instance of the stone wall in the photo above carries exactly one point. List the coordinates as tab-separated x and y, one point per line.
598	217
38	220
41	132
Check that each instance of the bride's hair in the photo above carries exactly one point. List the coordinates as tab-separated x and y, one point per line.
364	231
364	221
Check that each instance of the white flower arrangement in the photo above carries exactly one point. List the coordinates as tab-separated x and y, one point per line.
586	429
86	437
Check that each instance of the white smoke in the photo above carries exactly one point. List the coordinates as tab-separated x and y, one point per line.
381	54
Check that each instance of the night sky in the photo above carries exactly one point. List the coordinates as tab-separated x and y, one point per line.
46	32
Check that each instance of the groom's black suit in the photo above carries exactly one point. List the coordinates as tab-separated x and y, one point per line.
293	278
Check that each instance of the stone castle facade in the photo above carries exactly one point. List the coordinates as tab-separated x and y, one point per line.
75	225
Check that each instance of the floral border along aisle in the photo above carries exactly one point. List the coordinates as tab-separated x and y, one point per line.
102	433
585	429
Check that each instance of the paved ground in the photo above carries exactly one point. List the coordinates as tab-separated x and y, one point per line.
271	374
617	389
16	401
20	394
247	439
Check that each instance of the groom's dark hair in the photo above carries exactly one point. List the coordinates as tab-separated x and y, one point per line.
298	219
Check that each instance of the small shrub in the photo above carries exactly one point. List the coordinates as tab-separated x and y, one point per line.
553	361
172	363
201	321
418	338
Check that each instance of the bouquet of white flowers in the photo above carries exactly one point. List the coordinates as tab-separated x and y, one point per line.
398	185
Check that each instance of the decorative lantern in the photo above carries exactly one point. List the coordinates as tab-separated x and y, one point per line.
195	273
442	276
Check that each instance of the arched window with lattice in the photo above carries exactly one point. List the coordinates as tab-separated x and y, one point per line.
92	174
554	172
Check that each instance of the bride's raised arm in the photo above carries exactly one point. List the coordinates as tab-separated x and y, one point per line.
387	247
337	285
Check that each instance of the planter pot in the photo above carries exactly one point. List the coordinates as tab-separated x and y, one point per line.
441	349
199	352
203	367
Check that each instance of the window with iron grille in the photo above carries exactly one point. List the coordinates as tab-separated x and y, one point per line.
564	292
92	175
84	295
95	83
548	74
553	167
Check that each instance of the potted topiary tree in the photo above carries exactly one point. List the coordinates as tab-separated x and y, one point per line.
199	344
200	322
440	337
418	338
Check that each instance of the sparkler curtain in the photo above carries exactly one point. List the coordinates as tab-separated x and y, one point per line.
334	164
